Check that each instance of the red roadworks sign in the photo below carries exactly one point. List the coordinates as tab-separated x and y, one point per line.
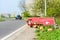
37	20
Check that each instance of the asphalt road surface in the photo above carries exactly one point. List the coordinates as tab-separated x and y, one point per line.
9	26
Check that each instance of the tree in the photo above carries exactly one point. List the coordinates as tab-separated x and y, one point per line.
2	16
22	5
9	15
53	8
38	7
26	14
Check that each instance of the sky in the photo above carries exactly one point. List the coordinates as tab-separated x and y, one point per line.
9	6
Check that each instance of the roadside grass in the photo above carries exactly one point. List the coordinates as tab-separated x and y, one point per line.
48	35
24	18
2	19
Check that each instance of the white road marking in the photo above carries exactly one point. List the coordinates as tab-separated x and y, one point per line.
4	38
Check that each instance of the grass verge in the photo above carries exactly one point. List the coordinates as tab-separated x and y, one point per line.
48	35
2	19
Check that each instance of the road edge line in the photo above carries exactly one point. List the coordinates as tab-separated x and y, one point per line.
4	38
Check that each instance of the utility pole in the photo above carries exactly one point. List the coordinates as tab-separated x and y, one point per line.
45	6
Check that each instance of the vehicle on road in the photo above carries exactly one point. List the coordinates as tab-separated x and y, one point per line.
18	17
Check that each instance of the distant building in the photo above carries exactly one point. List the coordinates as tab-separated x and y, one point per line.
4	14
12	14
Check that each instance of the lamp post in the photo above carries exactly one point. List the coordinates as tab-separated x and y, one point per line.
45	6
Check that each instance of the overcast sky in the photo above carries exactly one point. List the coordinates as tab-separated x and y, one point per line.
9	6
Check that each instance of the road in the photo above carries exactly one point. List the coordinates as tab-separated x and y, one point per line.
9	26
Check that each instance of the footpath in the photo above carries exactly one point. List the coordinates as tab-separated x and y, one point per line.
27	34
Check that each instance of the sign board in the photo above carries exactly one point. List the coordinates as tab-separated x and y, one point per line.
44	21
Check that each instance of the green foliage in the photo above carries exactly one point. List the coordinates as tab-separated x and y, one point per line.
53	8
26	14
48	35
57	21
2	19
2	16
38	7
51	12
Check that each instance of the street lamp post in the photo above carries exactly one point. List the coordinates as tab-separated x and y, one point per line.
45	6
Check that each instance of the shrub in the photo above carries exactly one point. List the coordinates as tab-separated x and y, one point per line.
48	35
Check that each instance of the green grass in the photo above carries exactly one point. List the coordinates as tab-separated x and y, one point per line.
2	19
46	35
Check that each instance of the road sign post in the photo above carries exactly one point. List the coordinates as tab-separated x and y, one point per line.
45	6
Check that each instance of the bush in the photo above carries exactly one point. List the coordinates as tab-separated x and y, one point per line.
26	14
2	19
48	35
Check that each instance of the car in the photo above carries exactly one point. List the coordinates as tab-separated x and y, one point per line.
18	17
